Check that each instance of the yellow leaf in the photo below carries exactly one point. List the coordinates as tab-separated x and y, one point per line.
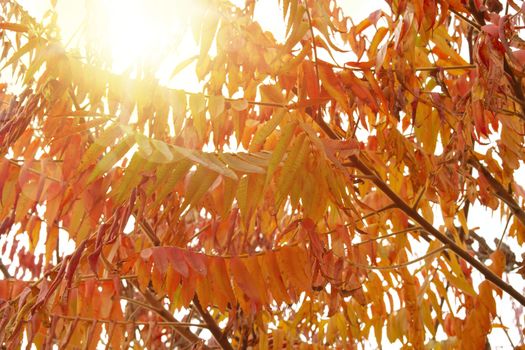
199	184
264	130
112	157
51	242
197	108
200	158
271	93
106	139
333	86
427	127
178	104
239	164
291	166
216	106
34	233
239	105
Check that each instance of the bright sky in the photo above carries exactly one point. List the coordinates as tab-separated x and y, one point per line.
124	29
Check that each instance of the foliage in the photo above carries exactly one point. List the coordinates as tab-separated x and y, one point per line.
290	202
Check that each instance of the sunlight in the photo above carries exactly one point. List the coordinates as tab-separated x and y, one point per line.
137	32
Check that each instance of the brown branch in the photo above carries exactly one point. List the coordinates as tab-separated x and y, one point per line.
157	306
427	226
215	330
212	326
4	270
148	230
465	19
167	316
415	69
500	191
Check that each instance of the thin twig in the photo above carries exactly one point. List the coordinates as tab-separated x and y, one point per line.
128	322
138	302
398	266
506	332
467	20
167	316
410	229
449	242
504	231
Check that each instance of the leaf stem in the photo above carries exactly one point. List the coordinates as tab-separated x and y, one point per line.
128	322
399	266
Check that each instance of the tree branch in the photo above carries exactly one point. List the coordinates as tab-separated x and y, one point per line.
215	330
499	190
427	226
166	315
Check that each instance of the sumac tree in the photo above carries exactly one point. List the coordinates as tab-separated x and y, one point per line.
315	191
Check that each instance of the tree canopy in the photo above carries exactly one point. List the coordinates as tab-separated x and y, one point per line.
315	190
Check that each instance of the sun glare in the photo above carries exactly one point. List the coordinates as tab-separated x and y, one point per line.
138	32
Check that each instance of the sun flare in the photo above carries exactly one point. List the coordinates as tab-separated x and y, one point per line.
139	32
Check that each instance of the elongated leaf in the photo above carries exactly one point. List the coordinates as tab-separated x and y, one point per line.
265	130
216	105
106	139
333	86
200	183
207	162
291	166
168	177
112	157
197	108
131	178
31	45
280	149
239	164
181	66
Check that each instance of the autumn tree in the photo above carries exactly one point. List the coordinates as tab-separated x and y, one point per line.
314	191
